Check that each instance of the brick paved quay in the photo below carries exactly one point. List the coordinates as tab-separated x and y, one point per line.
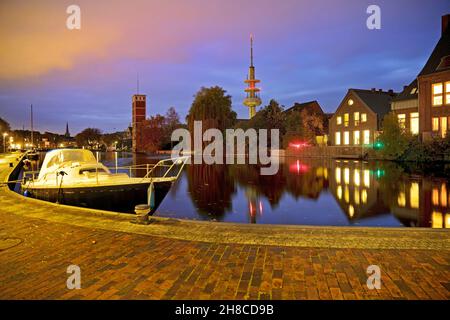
172	259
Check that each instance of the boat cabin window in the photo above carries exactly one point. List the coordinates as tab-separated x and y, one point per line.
92	170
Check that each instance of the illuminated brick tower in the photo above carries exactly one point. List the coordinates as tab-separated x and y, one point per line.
138	116
252	100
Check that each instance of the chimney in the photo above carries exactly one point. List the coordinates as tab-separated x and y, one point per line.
374	89
380	90
445	22
390	91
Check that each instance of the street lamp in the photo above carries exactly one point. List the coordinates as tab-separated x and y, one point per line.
4	141
11	140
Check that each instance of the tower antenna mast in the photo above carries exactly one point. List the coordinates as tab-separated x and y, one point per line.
252	100
32	137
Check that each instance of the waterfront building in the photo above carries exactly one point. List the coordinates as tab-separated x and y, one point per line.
358	119
252	100
423	107
313	108
139	105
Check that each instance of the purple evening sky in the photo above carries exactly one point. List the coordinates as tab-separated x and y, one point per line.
304	50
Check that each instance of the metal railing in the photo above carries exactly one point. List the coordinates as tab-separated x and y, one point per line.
168	169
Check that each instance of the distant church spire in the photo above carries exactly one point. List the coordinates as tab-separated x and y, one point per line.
67	134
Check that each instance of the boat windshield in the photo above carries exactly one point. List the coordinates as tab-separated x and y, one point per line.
82	156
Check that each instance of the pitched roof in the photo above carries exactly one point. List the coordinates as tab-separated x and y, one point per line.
378	101
312	106
441	50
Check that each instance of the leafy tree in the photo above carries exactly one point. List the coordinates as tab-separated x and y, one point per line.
212	106
394	138
303	125
90	137
269	117
153	132
4	126
109	139
171	123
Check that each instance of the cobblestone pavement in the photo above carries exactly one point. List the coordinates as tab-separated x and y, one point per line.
34	255
119	260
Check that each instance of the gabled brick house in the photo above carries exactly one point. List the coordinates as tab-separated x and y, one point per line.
423	107
358	119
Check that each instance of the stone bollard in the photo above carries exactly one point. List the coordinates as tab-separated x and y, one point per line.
142	211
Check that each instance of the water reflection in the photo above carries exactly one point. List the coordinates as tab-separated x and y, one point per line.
356	190
211	189
308	191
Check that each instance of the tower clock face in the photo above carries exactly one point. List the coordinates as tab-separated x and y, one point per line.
350	102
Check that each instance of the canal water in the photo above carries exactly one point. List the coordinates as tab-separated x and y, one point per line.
306	192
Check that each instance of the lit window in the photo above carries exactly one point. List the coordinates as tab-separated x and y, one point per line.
443	195
356	137
364	196
401	200
436	220
339	192
413	91
337	138
346	175
435	124
356	118
357	178
350	102
346	119
443	126
338	175
356	196
447	92
366	137
363	117
402	120
414	120
346	194
437	94
414	195
435	197
339	120
351	211
367	178
346	138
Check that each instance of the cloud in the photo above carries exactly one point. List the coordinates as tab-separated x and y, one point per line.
35	39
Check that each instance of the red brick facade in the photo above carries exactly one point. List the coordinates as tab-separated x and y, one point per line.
428	96
434	108
138	116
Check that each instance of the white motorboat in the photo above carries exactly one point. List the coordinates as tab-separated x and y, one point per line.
75	177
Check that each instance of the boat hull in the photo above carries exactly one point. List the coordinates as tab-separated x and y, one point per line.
119	198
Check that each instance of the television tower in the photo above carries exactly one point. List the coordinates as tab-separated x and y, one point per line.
252	100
